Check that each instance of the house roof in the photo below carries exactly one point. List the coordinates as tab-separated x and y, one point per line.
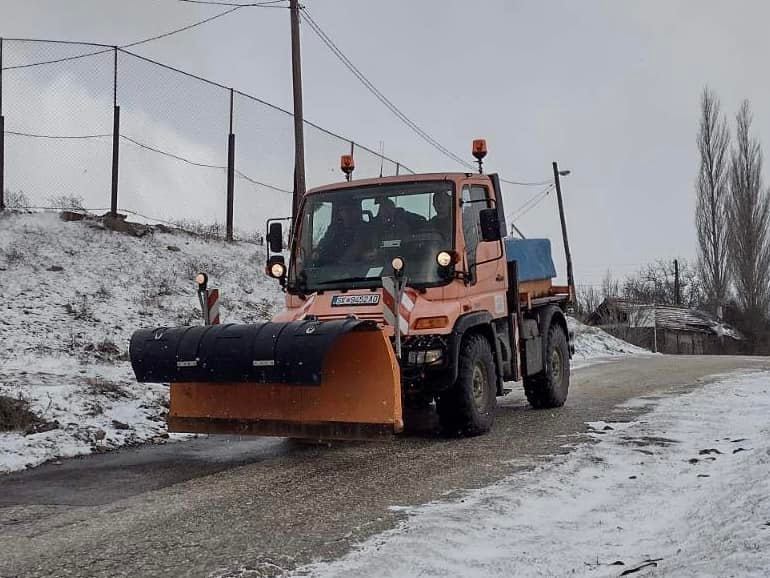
665	316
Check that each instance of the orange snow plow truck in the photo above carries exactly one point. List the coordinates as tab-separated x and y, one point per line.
399	291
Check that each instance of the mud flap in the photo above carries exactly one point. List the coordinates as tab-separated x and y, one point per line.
331	380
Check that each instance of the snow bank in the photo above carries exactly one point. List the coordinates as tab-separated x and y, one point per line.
684	491
593	344
72	294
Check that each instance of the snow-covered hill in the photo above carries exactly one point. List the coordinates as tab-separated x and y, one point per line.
71	294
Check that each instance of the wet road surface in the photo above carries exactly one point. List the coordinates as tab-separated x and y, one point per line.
222	505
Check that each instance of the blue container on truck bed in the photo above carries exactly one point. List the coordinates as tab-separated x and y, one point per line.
533	257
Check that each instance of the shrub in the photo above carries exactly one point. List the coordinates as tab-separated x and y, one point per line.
17	200
80	308
15	414
66	202
108	389
202	230
14	254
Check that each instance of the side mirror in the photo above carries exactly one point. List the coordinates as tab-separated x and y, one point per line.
490	225
275	237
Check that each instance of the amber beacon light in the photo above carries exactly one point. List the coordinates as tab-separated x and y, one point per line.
347	165
479	150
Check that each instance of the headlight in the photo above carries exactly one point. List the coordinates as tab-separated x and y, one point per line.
397	263
433	355
444	259
277	270
425	357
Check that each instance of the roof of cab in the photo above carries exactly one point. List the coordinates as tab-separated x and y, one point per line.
388	180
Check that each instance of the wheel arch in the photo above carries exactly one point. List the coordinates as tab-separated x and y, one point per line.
474	323
551	314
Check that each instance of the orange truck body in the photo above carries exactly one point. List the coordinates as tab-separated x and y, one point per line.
326	366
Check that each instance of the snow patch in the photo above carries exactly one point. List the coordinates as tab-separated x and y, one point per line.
682	492
594	345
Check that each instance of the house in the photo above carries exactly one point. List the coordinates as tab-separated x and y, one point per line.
666	328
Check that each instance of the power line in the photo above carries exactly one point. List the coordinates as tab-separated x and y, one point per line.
56	137
171	155
526	184
184	28
270	4
381	97
315	27
151	149
145	40
203	165
255	182
57	60
531	203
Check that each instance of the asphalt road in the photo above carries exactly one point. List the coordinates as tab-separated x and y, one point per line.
257	506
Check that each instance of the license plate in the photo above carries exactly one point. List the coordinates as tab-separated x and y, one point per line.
355	300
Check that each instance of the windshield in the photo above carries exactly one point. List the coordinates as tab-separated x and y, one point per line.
349	237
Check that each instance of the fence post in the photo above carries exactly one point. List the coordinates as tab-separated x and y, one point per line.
230	175
115	138
2	135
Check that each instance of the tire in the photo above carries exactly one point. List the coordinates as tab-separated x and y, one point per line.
549	388
468	407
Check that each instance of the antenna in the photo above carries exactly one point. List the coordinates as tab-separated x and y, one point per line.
382	155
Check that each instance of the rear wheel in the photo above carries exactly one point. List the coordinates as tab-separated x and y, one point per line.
549	388
467	408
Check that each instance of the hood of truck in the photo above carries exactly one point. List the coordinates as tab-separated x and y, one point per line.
366	304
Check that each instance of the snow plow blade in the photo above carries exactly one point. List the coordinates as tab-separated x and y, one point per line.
307	379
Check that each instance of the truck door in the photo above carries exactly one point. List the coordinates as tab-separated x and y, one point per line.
475	198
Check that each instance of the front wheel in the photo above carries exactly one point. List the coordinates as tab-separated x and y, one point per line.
549	388
468	407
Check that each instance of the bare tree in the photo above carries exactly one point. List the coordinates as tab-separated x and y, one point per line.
748	213
712	191
655	283
589	297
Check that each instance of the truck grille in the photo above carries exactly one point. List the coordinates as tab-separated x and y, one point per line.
377	317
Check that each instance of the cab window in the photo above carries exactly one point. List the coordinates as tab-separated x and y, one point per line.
474	199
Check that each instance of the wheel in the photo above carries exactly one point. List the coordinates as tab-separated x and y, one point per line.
549	388
467	408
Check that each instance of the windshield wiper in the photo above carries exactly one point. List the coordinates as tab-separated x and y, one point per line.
348	280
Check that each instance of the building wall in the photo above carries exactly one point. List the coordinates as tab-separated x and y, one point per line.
676	342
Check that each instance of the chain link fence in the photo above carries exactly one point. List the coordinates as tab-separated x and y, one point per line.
82	123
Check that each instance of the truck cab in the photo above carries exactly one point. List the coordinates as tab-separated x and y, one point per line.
466	323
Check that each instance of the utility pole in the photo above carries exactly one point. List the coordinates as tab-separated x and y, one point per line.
677	296
299	138
570	275
2	135
230	174
115	137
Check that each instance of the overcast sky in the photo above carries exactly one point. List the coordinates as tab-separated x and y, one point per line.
608	89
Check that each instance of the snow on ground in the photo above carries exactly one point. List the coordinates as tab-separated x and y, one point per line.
682	491
593	344
72	294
